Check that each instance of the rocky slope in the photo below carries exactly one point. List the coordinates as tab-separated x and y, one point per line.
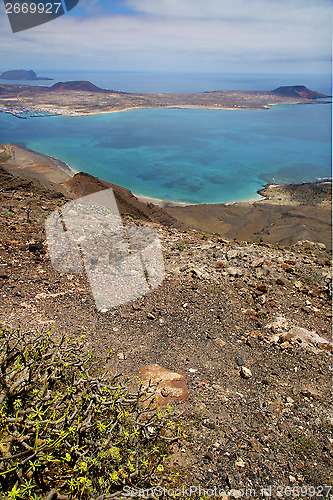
83	184
246	326
83	86
297	91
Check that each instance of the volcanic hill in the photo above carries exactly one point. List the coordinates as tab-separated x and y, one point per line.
82	86
298	91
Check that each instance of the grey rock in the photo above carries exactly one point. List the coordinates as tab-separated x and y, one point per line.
232	254
234	272
240	361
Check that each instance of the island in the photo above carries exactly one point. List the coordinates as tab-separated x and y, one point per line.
21	74
83	98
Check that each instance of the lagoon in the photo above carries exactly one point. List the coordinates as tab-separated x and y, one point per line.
187	155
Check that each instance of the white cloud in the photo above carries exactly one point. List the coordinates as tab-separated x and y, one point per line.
258	10
232	35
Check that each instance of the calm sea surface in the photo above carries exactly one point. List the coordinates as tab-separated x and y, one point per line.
135	81
194	156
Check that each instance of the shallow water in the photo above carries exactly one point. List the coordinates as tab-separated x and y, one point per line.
188	155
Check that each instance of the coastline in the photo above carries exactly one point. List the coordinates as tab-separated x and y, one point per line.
26	162
74	113
198	106
219	108
284	214
171	203
83	98
161	203
58	161
30	163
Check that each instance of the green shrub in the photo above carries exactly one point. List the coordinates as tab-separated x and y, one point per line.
69	431
304	445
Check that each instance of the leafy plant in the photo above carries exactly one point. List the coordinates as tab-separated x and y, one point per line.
69	431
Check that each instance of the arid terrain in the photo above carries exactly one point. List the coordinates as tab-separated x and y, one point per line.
85	98
286	215
240	332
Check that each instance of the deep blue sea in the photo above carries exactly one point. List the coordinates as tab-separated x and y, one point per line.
189	155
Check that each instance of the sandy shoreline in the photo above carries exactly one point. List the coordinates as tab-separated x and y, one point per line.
283	214
75	113
220	108
161	203
170	203
32	165
29	163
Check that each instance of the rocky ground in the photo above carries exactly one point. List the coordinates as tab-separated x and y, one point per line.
243	327
285	215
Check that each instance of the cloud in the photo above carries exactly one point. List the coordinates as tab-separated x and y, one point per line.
235	35
258	10
88	7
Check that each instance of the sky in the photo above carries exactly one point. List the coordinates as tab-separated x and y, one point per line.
221	36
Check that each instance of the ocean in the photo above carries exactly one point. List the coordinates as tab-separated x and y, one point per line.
188	155
135	81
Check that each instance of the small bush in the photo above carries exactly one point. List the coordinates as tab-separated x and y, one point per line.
69	431
304	445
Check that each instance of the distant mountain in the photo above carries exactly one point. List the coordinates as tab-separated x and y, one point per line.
297	91
21	74
83	86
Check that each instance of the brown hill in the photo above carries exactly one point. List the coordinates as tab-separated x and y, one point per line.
83	86
83	184
297	91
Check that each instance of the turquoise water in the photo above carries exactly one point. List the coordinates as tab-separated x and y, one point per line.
193	156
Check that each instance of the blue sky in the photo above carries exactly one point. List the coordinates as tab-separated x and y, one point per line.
106	7
231	36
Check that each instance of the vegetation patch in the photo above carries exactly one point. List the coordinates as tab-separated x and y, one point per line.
305	445
69	430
